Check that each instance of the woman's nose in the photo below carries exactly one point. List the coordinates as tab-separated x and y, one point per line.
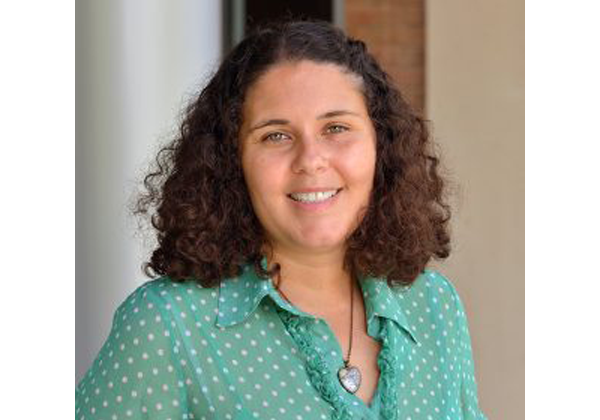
310	156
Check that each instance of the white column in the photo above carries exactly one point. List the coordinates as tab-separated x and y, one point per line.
138	63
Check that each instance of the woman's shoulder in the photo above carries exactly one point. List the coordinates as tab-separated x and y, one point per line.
431	293
434	283
166	288
166	296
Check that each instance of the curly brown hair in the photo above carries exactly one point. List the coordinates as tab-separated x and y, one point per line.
198	201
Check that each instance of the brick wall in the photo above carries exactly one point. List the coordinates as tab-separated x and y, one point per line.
394	31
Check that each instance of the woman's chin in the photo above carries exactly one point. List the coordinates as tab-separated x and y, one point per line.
321	242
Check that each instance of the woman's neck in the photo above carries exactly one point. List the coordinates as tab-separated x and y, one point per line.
315	282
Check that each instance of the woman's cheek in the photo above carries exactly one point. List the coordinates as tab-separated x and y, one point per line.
359	159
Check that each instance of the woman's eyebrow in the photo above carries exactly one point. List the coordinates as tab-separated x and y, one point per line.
267	123
337	113
279	121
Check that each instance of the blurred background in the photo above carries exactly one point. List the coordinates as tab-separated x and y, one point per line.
459	63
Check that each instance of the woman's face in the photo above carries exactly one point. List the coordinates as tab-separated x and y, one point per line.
308	155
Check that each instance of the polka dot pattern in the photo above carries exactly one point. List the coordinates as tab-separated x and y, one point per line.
240	351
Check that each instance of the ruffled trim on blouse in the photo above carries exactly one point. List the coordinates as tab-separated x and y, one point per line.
321	376
318	370
388	366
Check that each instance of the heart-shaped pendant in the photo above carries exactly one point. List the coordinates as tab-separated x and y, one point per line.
350	378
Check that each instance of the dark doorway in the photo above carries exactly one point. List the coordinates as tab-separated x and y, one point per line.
241	15
262	11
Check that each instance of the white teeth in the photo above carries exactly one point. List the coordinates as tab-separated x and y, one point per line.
313	197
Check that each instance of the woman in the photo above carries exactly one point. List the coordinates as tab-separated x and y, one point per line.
296	214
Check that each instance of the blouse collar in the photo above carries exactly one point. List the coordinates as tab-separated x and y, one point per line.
240	296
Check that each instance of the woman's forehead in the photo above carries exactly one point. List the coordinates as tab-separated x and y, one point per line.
304	87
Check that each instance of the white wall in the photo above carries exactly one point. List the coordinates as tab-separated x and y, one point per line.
475	98
137	63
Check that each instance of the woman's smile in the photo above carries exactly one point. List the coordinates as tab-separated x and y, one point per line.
315	201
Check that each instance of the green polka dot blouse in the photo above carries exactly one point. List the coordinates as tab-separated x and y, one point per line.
240	351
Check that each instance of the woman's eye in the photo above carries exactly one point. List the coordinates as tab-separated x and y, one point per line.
336	129
275	137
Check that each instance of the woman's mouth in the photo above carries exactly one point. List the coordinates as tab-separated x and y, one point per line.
314	197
